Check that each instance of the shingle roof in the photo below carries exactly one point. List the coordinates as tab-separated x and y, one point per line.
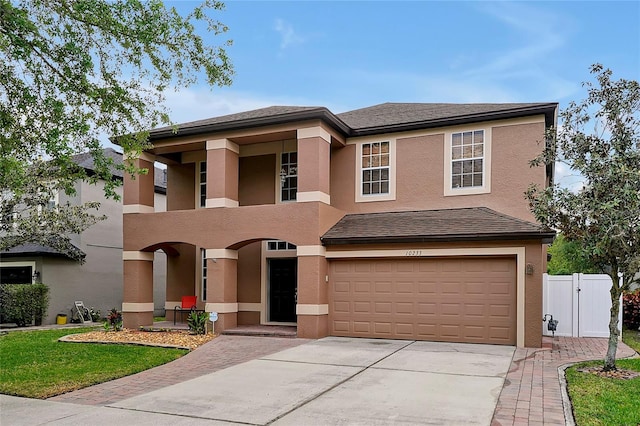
85	160
464	224
374	119
31	249
394	114
268	112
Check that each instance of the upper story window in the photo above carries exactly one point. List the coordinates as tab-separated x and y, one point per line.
375	168
467	158
375	178
467	162
202	184
288	176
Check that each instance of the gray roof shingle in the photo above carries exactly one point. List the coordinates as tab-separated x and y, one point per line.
85	160
463	224
31	249
374	119
394	114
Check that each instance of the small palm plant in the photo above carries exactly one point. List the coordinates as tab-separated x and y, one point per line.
197	322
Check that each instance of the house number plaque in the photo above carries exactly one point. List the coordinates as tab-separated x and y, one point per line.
413	253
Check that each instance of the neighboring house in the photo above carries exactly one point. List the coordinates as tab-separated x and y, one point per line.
98	281
393	221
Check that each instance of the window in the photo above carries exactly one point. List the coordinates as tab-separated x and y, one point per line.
203	273
467	162
467	159
288	176
21	274
375	168
280	245
202	181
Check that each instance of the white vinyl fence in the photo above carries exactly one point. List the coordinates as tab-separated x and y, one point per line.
580	302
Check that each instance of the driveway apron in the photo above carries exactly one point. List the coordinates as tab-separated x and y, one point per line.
345	381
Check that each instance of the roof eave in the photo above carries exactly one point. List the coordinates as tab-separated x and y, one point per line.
315	114
544	237
549	111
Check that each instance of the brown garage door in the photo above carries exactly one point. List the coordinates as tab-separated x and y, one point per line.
463	299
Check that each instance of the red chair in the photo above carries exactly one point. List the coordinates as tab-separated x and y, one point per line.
189	304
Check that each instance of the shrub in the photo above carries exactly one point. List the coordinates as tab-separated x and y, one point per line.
95	314
631	310
197	322
24	303
114	319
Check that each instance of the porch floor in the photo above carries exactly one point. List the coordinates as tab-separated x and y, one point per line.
263	330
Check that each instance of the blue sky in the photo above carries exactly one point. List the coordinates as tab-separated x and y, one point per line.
348	55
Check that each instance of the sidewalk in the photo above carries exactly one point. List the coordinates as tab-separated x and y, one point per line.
532	392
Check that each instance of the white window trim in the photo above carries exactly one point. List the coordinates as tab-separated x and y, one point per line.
199	185
391	196
279	179
32	264
203	274
486	169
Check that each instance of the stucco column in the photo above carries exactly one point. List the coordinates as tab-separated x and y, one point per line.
139	189
222	287
222	173
137	305
312	306
314	146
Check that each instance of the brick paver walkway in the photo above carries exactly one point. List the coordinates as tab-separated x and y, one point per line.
532	394
220	353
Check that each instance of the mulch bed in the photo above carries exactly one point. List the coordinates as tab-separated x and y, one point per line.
613	374
179	339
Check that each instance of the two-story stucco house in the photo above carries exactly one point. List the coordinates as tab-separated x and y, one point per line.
393	221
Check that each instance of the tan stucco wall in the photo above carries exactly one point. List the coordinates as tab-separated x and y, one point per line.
420	173
257	180
181	186
298	223
249	266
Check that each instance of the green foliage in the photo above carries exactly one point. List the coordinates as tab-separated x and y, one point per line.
35	365
114	319
197	322
631	310
71	71
599	138
601	400
568	258
24	303
95	314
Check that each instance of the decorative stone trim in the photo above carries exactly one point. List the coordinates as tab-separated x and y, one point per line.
137	307
311	251
137	255
221	254
212	203
308	309
314	132
309	196
221	308
137	208
223	144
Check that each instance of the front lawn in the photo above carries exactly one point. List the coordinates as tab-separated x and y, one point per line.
35	365
606	401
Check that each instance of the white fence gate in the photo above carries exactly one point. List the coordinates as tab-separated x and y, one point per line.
580	302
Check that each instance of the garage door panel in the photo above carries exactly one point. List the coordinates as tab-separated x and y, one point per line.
444	299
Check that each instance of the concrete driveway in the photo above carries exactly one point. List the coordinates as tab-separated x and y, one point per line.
346	381
323	382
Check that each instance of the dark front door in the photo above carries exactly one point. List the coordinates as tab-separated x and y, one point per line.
282	289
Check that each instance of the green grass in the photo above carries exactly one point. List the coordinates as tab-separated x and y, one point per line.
35	365
606	401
